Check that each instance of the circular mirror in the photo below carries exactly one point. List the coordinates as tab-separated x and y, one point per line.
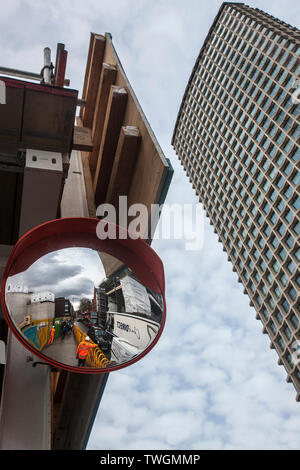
82	303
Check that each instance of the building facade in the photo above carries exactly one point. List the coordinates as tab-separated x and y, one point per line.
63	307
237	137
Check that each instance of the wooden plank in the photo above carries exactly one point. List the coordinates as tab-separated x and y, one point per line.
116	108
86	75
124	163
61	67
151	168
107	79
82	139
87	72
92	79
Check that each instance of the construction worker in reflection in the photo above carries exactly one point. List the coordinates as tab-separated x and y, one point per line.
83	350
52	333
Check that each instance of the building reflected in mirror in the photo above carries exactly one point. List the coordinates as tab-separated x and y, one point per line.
130	314
66	307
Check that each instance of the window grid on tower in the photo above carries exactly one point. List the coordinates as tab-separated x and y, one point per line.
237	136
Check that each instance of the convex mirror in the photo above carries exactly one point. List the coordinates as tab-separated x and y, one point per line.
82	303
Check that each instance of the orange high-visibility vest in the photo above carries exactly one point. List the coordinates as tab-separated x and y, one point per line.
83	349
52	333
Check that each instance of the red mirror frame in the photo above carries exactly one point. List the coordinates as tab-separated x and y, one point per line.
81	232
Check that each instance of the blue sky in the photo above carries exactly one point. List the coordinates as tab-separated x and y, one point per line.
212	381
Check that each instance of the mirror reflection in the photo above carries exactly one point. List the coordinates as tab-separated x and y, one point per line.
70	308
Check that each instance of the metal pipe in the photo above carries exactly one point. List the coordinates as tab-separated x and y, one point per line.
47	66
20	73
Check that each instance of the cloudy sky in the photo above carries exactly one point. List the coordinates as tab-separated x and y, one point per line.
212	382
70	273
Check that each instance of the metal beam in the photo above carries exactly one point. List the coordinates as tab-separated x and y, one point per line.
81	397
26	401
25	416
74	199
20	73
42	186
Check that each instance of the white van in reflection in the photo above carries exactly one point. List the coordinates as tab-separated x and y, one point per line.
131	335
130	314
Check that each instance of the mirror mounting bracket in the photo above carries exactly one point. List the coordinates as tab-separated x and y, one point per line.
53	369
